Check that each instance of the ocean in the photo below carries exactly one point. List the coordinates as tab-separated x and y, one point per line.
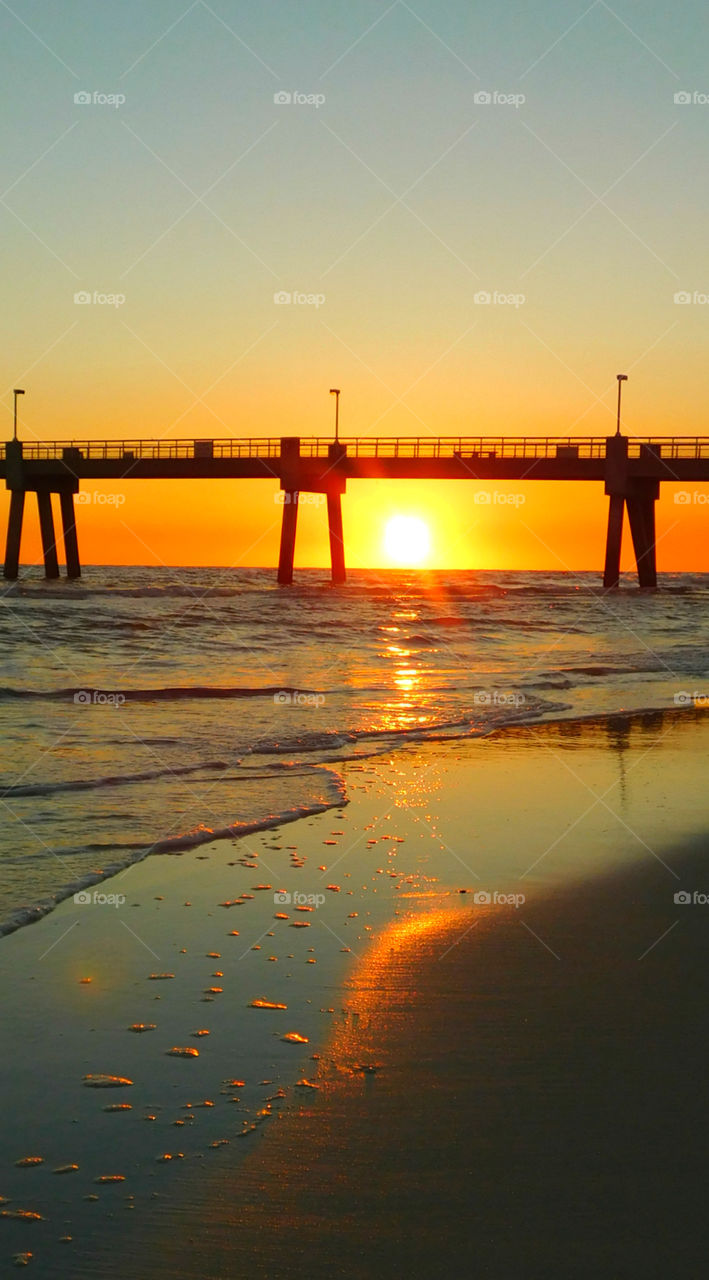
149	710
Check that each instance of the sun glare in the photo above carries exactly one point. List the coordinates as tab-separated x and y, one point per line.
407	540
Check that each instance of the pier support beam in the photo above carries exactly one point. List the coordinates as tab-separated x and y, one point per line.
337	546
288	528
641	514
71	543
634	484
611	573
14	534
46	526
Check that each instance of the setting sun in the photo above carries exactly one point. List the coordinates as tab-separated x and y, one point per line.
407	540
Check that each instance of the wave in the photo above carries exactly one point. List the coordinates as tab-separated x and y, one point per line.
168	693
328	740
246	774
177	591
110	780
134	852
130	853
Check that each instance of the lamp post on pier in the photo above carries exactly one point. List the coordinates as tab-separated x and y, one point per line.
335	391
17	392
622	377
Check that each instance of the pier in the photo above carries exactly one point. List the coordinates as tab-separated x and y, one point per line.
630	468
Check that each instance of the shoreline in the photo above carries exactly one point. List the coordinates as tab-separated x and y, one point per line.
27	914
424	830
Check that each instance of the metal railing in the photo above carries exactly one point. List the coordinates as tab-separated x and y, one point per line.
689	448
155	450
423	447
470	446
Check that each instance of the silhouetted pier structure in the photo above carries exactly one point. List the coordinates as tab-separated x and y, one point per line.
631	470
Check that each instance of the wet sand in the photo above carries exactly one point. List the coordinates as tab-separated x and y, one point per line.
502	1092
530	1113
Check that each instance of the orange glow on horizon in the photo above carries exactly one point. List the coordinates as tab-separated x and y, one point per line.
236	523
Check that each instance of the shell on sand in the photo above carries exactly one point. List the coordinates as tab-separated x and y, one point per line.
177	1052
110	1177
99	1081
142	1026
266	1004
27	1162
66	1168
294	1037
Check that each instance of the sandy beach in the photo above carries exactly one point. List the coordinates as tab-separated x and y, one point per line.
502	1090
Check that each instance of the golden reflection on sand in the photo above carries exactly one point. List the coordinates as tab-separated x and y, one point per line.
375	990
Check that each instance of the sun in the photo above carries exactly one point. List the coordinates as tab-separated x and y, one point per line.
407	540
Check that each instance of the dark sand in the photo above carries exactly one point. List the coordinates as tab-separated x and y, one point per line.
530	1115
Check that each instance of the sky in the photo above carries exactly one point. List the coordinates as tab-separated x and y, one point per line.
231	152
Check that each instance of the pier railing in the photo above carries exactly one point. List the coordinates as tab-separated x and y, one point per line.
155	450
468	447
